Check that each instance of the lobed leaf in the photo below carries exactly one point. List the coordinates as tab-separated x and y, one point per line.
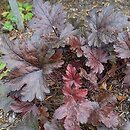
76	93
91	77
28	123
108	117
71	77
5	101
50	23
76	109
104	113
95	58
74	113
103	24
53	125
75	44
123	45
127	126
24	108
29	63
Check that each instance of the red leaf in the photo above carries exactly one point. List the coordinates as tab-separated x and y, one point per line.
76	44
74	113
108	117
71	77
91	76
95	58
105	115
77	94
76	109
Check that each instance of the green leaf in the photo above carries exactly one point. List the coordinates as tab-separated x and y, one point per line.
27	7
20	4
4	14
4	73
10	15
14	19
2	65
22	16
28	16
8	26
21	9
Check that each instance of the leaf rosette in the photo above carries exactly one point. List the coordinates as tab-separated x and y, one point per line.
29	63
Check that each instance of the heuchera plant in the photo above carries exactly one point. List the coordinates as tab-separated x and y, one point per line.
76	109
25	88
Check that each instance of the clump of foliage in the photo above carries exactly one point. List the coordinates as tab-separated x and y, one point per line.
26	89
10	20
76	109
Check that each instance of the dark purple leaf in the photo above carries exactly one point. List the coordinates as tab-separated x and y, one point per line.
105	115
53	125
123	45
103	24
47	17
127	126
24	108
29	63
28	123
50	23
4	100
